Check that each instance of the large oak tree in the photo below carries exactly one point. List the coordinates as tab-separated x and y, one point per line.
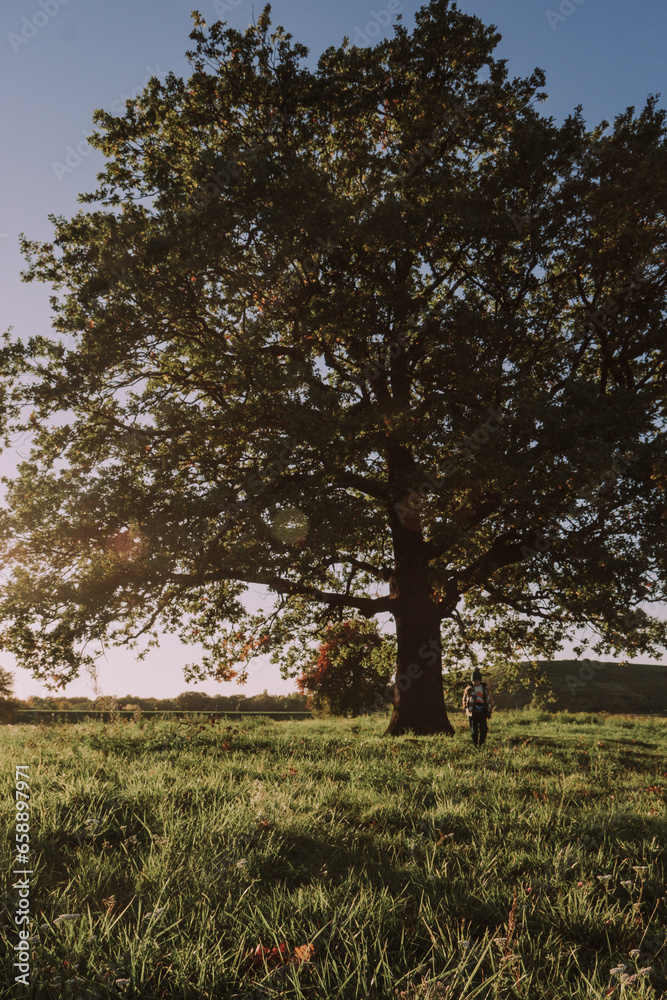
377	336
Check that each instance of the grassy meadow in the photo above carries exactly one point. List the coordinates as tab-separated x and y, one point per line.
261	859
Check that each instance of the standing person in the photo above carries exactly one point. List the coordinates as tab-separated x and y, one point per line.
478	704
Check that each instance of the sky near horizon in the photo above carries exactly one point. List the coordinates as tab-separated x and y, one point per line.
62	59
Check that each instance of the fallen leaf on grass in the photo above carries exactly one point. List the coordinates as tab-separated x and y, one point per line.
272	957
278	955
304	953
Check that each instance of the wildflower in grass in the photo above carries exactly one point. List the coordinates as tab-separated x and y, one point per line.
156	913
617	970
645	971
604	878
464	944
640	868
628	883
500	941
635	952
66	916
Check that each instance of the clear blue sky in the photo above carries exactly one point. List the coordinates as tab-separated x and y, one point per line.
62	60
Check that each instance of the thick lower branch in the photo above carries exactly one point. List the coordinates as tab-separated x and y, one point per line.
366	606
379	572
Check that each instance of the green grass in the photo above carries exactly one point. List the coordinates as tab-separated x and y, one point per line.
514	871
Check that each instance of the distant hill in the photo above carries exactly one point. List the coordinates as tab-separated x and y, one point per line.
595	686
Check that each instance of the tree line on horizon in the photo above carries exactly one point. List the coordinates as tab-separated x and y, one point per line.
188	701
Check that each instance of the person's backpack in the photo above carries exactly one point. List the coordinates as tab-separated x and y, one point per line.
481	696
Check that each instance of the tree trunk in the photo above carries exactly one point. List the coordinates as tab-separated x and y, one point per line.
419	701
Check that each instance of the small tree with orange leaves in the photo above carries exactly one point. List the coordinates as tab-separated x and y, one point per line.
350	668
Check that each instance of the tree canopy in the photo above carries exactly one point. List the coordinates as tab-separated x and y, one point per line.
376	335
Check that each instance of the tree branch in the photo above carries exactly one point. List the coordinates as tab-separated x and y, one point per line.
367	606
380	573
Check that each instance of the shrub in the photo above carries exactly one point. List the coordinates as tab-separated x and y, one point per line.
352	665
